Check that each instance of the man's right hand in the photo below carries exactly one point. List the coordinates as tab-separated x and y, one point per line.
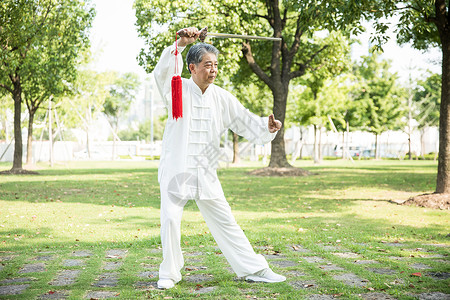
192	35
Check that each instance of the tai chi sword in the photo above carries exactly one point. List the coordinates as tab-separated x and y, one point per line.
204	32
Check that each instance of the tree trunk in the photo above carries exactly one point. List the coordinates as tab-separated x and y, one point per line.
278	152
316	148
30	138
114	140
422	142
376	146
235	148
443	175
18	146
320	144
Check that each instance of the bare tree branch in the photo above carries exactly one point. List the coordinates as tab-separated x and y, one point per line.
247	51
6	88
304	66
298	34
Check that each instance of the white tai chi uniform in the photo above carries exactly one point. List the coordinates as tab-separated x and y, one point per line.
187	170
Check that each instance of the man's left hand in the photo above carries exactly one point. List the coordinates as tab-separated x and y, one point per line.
274	125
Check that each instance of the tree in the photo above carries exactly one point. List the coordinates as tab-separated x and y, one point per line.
380	97
275	63
38	39
424	24
255	97
427	98
122	93
90	92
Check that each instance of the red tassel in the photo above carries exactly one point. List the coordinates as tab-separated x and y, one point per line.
177	97
177	89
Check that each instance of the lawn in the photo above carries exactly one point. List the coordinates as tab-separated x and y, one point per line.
333	233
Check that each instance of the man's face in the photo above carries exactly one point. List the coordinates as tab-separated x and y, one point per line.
206	71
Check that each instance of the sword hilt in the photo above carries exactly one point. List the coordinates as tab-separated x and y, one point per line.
202	36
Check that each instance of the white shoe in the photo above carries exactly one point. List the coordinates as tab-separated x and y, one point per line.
266	275
165	284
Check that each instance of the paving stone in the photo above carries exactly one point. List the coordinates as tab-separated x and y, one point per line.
347	255
31	268
377	296
432	256
293	273
442	261
437	245
365	262
434	296
331	267
155	250
65	277
15	289
146	285
55	295
438	275
7	258
274	256
420	266
320	297
331	248
397	258
205	290
101	295
112	265
106	280
193	261
394	244
116	253
198	278
82	253
302	285
17	280
383	271
149	274
44	257
351	280
283	263
298	248
73	263
193	254
313	259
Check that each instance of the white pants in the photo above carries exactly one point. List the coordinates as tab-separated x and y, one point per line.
229	237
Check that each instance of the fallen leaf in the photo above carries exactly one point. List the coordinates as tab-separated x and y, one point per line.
418	274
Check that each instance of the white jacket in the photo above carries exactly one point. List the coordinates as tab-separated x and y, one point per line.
191	144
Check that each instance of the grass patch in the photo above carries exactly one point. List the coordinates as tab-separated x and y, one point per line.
345	208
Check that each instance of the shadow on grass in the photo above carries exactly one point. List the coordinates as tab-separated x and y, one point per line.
136	187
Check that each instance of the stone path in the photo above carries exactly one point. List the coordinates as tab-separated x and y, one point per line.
295	263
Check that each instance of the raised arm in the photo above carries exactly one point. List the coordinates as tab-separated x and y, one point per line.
165	68
258	130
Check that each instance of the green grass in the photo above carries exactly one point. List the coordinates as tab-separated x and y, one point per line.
115	205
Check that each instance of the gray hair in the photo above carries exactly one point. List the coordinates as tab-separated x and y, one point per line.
196	52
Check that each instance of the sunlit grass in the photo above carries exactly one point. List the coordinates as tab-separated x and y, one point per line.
108	205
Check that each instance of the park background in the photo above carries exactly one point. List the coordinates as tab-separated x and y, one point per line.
83	223
115	46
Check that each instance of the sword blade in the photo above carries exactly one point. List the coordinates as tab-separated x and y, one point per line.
239	36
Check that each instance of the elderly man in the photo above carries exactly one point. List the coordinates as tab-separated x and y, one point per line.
189	158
